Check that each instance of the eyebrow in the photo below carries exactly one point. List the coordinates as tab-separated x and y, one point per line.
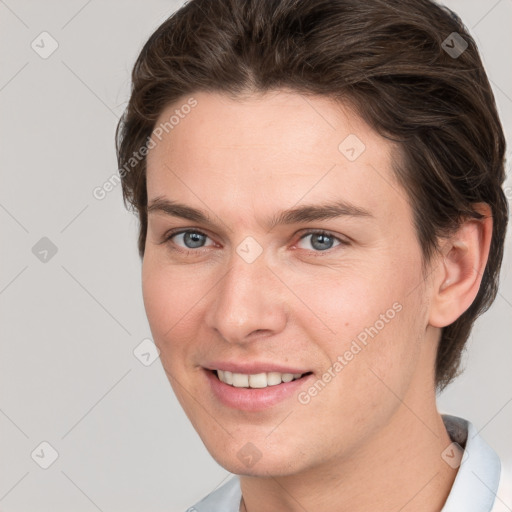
299	214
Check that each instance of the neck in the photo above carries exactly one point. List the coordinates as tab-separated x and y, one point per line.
400	468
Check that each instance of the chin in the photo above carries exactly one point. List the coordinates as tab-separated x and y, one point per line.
249	461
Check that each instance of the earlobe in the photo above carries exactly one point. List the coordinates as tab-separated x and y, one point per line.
462	264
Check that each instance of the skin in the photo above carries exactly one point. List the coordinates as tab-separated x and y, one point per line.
375	424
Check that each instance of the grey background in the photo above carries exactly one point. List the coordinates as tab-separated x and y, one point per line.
69	325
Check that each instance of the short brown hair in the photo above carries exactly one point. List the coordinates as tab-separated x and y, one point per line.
390	59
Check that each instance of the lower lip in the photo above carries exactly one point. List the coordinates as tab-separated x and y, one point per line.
253	399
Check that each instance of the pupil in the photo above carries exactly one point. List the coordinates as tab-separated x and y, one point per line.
194	238
322	239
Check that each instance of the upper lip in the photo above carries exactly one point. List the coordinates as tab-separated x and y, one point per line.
254	367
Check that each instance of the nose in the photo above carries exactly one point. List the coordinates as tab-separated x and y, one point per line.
249	302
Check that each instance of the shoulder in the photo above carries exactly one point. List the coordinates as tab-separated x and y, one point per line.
224	499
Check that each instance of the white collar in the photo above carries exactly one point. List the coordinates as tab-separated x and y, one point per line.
476	483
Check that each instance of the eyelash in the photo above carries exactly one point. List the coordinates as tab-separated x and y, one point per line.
168	238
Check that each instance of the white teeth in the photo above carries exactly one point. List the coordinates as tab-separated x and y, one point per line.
258	380
273	378
240	380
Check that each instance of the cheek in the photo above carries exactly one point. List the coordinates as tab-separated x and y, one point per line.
170	304
378	361
168	300
390	348
156	293
351	307
375	322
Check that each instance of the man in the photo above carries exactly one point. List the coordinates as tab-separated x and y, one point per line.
321	221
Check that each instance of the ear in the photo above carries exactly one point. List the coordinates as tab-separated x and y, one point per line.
462	263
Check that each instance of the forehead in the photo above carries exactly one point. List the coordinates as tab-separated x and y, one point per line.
277	147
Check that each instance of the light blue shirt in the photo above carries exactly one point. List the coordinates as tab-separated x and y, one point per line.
474	488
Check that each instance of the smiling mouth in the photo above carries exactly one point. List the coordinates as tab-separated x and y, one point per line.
257	380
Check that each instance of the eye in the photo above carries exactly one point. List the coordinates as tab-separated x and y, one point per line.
322	241
192	240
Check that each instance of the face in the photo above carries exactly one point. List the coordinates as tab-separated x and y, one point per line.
331	292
